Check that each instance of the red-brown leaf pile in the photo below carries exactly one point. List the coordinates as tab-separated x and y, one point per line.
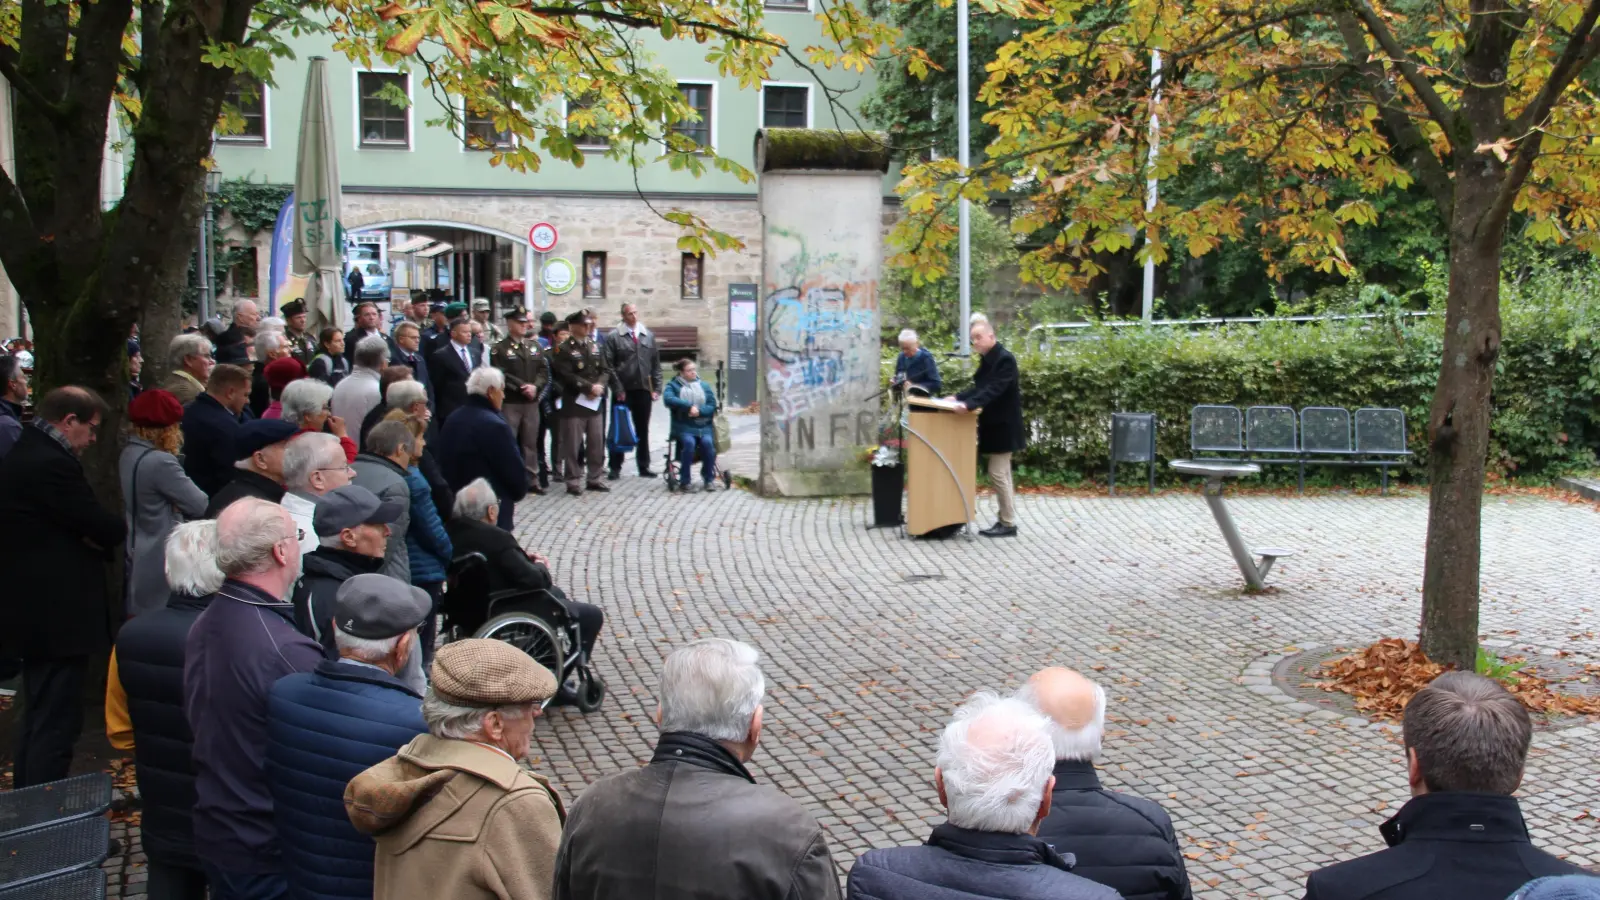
1383	677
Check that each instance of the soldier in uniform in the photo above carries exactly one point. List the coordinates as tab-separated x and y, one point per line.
581	371
547	404
302	346
518	357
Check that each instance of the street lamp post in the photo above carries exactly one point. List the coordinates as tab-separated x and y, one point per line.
1151	189
204	262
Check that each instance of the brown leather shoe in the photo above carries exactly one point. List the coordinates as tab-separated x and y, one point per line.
600	486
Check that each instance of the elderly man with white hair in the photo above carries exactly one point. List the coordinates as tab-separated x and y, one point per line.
238	648
1121	841
190	359
915	366
454	814
476	442
993	777
358	392
270	345
146	678
313	465
694	823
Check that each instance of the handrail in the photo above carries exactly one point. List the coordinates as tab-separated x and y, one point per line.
1045	338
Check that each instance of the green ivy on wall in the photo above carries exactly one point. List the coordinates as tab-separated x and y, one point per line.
253	206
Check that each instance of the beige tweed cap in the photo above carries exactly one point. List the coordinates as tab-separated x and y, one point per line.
482	672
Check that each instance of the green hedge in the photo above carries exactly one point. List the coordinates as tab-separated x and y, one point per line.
1546	418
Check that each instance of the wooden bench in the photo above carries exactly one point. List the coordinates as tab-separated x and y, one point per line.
677	341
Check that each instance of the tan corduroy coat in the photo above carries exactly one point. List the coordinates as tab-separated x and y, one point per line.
455	820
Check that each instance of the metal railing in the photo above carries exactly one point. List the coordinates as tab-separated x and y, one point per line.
1046	336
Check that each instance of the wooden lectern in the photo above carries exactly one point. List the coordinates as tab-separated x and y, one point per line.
941	488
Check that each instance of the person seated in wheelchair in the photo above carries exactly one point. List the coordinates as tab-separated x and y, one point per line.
472	529
693	406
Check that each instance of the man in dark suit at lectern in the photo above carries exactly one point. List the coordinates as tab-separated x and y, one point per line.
997	396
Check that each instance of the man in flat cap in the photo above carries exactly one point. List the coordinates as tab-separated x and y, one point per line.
525	372
326	726
258	464
453	813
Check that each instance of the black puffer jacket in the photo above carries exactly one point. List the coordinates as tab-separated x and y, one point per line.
1118	840
325	569
150	652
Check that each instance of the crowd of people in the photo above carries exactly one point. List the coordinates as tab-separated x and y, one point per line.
298	728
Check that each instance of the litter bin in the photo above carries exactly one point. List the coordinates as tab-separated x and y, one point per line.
888	488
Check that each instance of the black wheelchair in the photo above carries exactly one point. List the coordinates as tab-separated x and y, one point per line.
670	470
536	622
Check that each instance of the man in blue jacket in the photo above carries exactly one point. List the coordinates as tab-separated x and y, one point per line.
477	443
915	366
210	426
327	726
237	649
994	778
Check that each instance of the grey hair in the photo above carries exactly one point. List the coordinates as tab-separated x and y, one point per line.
304	397
458	723
307	453
908	336
402	326
1080	744
995	758
192	559
246	533
712	688
404	394
370	650
387	438
1470	734
184	346
271	323
372	352
484	379
269	342
473	501
245	304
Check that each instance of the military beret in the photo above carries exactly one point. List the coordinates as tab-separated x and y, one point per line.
293	308
482	672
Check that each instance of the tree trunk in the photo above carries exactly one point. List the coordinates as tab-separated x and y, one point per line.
160	322
1458	429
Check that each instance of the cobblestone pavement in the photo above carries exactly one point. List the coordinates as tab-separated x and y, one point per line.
869	639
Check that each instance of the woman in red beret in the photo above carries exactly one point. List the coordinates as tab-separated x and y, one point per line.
158	495
280	373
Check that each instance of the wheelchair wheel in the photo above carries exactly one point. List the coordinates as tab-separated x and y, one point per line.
528	633
672	484
727	480
591	690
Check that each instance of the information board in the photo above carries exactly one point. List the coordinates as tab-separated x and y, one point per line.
742	345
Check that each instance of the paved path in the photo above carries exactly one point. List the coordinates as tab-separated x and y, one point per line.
869	639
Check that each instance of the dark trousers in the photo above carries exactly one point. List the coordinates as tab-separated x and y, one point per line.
428	634
229	885
52	719
547	426
508	514
576	431
639	404
590	620
169	882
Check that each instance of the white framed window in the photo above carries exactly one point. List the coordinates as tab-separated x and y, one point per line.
597	138
785	105
702	98
381	125
478	132
248	95
788	5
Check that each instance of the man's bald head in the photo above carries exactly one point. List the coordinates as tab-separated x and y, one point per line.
1076	708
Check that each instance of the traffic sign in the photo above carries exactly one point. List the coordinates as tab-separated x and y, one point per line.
559	275
543	237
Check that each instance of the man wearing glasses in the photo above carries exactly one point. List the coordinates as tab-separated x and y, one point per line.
190	360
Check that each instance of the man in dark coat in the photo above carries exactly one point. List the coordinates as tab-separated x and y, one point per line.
635	364
648	832
150	654
994	780
210	425
995	392
352	526
237	649
329	725
55	543
356	283
450	364
1461	835
477	443
366	326
1120	841
405	349
258	469
13	396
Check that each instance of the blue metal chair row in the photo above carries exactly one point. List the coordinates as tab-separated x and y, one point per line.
1317	435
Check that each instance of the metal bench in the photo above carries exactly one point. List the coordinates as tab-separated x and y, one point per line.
83	884
43	853
1267	435
43	805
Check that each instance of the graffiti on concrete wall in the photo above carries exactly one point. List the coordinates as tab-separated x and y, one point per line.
820	329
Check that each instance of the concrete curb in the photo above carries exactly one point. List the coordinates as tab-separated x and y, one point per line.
1587	488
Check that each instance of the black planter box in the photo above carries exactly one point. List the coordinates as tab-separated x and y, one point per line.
888	487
